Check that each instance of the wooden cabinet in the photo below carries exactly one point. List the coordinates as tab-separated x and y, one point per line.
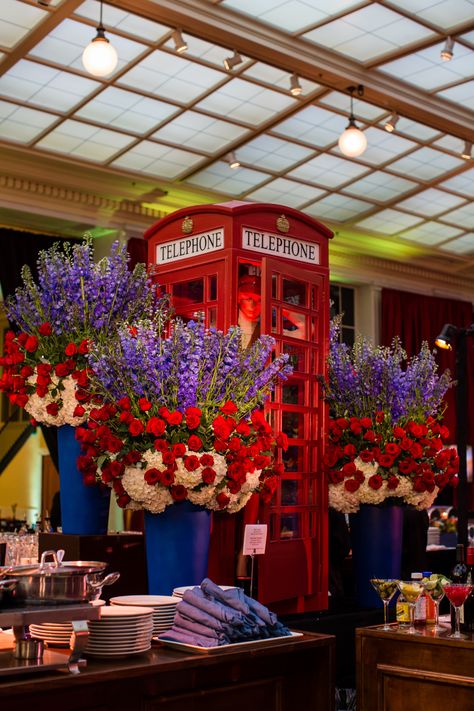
293	675
426	672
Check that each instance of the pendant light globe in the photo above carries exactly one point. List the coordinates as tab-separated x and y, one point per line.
352	142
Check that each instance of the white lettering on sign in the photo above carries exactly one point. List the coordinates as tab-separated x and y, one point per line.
285	246
255	539
190	246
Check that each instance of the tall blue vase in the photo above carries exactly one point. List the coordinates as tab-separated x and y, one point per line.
177	547
84	509
376	538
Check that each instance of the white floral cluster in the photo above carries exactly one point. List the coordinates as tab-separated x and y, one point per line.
36	405
349	501
155	498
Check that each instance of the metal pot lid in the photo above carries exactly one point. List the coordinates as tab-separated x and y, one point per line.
86	566
38	570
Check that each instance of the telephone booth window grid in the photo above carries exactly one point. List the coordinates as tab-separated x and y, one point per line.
296	328
196	296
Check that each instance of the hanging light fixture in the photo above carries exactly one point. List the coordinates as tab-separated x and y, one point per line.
353	141
234	163
391	123
100	57
447	51
295	86
231	62
180	44
467	150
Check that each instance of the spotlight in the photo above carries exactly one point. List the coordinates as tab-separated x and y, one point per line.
467	150
447	337
231	62
352	141
100	57
179	43
391	123
447	51
233	161
295	86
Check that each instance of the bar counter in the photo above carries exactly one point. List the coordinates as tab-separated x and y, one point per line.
397	671
291	675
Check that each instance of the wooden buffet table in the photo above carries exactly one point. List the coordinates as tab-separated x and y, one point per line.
397	671
293	675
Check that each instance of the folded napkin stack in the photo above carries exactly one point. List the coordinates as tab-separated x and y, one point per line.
208	616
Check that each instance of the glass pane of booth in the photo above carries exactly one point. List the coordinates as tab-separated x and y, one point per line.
293	424
291	492
290	525
294	324
186	293
292	459
212	288
297	357
293	394
294	292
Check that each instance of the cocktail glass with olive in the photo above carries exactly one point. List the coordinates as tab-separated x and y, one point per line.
386	589
434	587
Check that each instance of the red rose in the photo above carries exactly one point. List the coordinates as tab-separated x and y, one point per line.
342	423
179	492
405	466
349	450
21	400
167	477
385	460
208	475
152	476
178	449
366	422
144	404
416	430
375	481
132	457
243	429
194	443
52	408
83	347
416	450
222	500
45	329
78	411
222	428
369	436
392	449
282	440
351	485
31	344
161	445
61	370
191	463
71	349
126	417
234	487
349	469
356	428
229	408
366	455
124	403
393	482
135	428
193	417
207	460
174	418
398	432
419	485
123	500
155	426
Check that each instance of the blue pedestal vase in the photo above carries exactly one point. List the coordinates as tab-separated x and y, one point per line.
84	509
177	547
376	538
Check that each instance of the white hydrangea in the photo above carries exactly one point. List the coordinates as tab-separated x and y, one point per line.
36	405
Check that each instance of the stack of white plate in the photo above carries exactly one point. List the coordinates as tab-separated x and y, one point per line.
179	592
57	634
120	632
163	608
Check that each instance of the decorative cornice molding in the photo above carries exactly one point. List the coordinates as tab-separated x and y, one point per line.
81	198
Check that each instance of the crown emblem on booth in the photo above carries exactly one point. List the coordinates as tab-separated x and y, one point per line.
282	224
187	225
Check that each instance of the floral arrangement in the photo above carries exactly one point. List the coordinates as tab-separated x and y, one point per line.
180	418
58	316
385	435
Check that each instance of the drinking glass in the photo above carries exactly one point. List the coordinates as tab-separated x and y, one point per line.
457	594
386	588
435	590
411	591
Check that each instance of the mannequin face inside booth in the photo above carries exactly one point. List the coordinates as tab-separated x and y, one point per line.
249	297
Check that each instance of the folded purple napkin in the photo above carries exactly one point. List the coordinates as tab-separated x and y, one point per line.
180	621
195	613
220	611
187	637
234	597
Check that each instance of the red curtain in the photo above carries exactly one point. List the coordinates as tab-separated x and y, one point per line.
416	318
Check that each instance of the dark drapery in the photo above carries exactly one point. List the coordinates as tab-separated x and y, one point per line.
417	318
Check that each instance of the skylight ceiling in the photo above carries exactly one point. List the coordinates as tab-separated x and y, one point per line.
175	118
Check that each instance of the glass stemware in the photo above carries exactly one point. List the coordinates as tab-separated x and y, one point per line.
411	591
435	590
386	588
457	594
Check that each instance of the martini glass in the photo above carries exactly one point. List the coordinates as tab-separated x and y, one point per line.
435	590
386	589
411	591
457	594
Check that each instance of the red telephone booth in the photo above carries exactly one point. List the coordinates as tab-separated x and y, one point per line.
265	267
